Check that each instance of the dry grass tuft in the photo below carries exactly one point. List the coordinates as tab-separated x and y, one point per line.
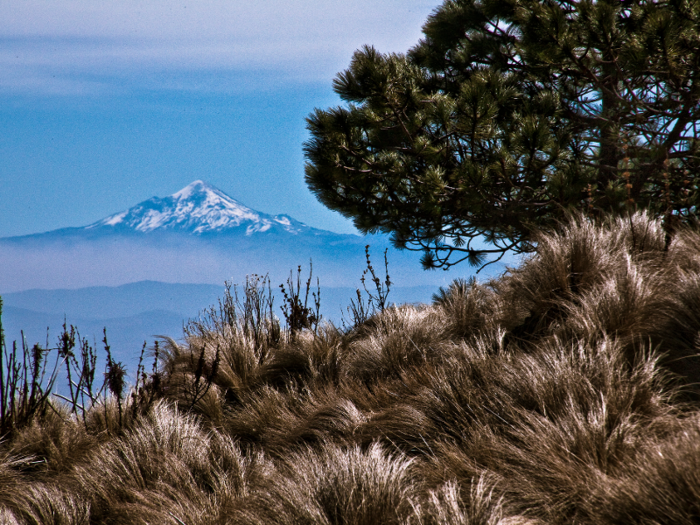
565	391
329	485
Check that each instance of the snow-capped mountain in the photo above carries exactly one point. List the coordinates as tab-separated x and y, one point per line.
198	208
197	235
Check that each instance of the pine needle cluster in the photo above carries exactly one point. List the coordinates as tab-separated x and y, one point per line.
509	114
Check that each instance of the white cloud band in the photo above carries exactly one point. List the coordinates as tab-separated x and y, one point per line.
63	44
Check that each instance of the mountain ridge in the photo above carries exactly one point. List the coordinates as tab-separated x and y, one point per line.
199	209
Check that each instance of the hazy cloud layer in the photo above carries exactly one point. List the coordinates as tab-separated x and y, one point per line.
84	46
113	262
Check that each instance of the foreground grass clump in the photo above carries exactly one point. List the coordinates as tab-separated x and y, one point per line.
564	392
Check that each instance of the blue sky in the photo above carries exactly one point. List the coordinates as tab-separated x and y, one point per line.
107	103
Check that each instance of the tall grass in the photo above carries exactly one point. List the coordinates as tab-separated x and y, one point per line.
565	391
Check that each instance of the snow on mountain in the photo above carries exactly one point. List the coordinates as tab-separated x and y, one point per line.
198	208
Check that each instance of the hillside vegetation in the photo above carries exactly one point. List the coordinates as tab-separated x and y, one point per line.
565	391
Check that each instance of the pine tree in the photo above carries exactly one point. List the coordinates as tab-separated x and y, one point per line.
508	115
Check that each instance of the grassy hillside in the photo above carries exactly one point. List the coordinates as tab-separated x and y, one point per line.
564	392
